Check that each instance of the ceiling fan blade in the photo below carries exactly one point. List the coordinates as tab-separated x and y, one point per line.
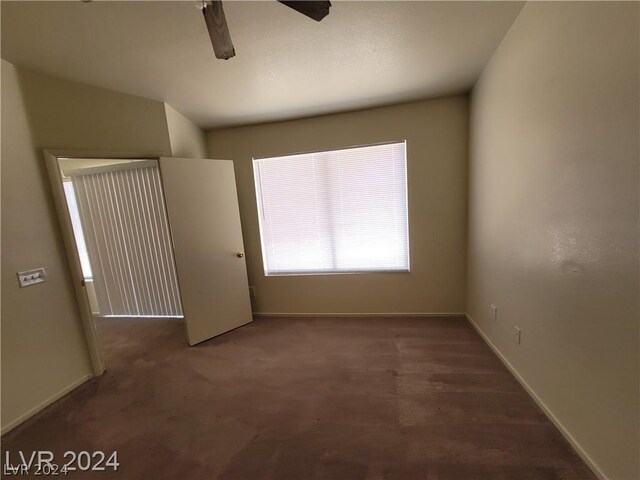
218	31
311	8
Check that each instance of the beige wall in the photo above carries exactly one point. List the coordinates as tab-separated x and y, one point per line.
553	227
43	348
187	139
436	134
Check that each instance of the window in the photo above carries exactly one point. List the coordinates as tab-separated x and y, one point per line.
338	211
77	229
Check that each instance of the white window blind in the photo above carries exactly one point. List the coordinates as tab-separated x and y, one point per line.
339	211
128	242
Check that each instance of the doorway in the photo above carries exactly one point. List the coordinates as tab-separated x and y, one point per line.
121	229
153	238
122	239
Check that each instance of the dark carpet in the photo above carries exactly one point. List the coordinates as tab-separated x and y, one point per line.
284	398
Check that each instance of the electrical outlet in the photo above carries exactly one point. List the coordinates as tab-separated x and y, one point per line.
518	335
493	310
32	277
252	292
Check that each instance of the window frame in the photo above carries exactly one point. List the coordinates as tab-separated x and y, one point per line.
259	207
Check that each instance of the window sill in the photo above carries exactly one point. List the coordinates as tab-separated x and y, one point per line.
357	272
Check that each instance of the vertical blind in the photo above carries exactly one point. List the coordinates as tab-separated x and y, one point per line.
336	211
128	242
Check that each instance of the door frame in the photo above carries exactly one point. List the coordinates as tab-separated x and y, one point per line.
51	157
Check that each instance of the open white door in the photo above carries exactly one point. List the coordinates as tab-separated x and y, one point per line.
202	205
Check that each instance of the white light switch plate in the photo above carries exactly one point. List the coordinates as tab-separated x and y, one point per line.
32	277
493	310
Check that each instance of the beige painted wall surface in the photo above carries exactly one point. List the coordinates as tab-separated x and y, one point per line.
553	228
43	348
187	139
436	134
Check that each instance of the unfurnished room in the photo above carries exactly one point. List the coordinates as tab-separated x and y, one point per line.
290	240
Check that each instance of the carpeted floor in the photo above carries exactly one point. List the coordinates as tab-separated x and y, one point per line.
325	398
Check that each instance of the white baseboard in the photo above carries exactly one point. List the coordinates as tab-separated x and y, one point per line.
38	408
411	314
565	433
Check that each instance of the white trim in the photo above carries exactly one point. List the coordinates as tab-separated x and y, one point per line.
312	273
547	411
38	408
358	314
73	260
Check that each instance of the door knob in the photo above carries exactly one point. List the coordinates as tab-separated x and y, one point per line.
240	254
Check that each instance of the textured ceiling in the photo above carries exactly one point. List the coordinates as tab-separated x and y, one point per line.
363	54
